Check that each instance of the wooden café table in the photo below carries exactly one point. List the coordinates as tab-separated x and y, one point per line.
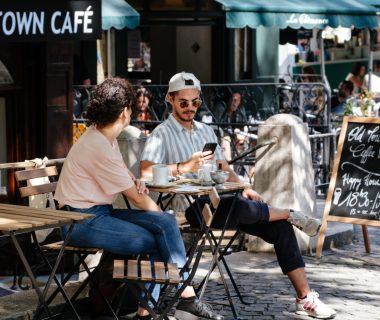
15	220
188	188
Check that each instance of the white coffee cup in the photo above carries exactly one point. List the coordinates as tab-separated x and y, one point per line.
204	173
160	174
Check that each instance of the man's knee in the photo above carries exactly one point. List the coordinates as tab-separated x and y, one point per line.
250	212
283	228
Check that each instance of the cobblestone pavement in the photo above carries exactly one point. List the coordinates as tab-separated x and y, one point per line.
346	278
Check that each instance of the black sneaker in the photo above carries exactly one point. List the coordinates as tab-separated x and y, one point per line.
194	309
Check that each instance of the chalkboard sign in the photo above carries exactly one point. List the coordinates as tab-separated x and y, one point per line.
356	187
354	190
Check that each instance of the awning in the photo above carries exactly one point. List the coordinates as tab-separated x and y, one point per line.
375	3
299	13
119	15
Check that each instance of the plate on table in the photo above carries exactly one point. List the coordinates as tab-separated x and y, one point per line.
187	188
198	182
160	186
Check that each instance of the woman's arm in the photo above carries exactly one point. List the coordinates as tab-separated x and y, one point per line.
140	199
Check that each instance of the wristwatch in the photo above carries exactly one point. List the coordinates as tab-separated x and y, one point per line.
178	170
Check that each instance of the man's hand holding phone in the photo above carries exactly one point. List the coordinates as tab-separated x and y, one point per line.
198	158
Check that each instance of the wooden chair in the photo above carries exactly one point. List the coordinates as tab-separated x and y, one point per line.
47	188
140	272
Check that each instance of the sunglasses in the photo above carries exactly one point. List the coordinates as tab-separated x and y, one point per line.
185	103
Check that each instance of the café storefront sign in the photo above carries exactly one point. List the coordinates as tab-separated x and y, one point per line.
39	20
297	20
299	14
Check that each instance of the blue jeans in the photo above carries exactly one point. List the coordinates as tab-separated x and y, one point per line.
125	232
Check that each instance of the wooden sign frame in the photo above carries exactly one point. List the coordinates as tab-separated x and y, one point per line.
326	214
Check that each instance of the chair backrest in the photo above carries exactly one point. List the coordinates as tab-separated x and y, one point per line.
131	144
36	188
207	212
131	150
25	183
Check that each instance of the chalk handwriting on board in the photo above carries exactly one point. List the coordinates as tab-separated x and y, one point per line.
356	192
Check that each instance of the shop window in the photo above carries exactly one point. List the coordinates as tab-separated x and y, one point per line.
138	53
243	54
139	63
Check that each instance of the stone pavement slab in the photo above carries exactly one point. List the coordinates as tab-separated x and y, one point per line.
346	278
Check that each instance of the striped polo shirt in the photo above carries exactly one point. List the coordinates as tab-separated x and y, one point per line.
171	143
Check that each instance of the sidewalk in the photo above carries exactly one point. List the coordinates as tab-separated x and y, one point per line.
346	278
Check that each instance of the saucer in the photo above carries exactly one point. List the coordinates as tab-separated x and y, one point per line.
199	182
152	185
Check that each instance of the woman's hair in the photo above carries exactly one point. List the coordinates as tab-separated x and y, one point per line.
142	91
308	70
309	73
356	68
108	100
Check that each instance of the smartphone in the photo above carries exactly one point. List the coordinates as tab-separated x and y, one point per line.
210	146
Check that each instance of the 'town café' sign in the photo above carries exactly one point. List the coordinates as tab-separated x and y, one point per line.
36	20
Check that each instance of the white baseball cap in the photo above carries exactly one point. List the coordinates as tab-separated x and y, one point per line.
182	81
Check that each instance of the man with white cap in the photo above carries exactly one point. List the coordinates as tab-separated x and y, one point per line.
178	142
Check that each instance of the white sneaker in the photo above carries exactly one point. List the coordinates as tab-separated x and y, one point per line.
307	224
313	307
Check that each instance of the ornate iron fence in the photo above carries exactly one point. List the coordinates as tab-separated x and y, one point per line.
309	101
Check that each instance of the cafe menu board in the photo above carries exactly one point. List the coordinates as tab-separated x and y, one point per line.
354	191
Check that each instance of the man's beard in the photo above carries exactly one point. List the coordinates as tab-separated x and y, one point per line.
185	119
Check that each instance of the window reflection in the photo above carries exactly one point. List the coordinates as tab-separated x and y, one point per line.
243	53
3	148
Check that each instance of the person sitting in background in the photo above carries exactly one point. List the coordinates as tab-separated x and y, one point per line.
356	76
144	112
143	98
313	93
235	111
345	92
375	78
309	75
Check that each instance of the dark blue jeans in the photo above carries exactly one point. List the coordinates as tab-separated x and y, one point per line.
252	218
125	232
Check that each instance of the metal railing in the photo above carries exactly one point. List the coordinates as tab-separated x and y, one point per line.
309	101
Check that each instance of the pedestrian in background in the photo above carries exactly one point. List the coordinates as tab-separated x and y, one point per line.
356	76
